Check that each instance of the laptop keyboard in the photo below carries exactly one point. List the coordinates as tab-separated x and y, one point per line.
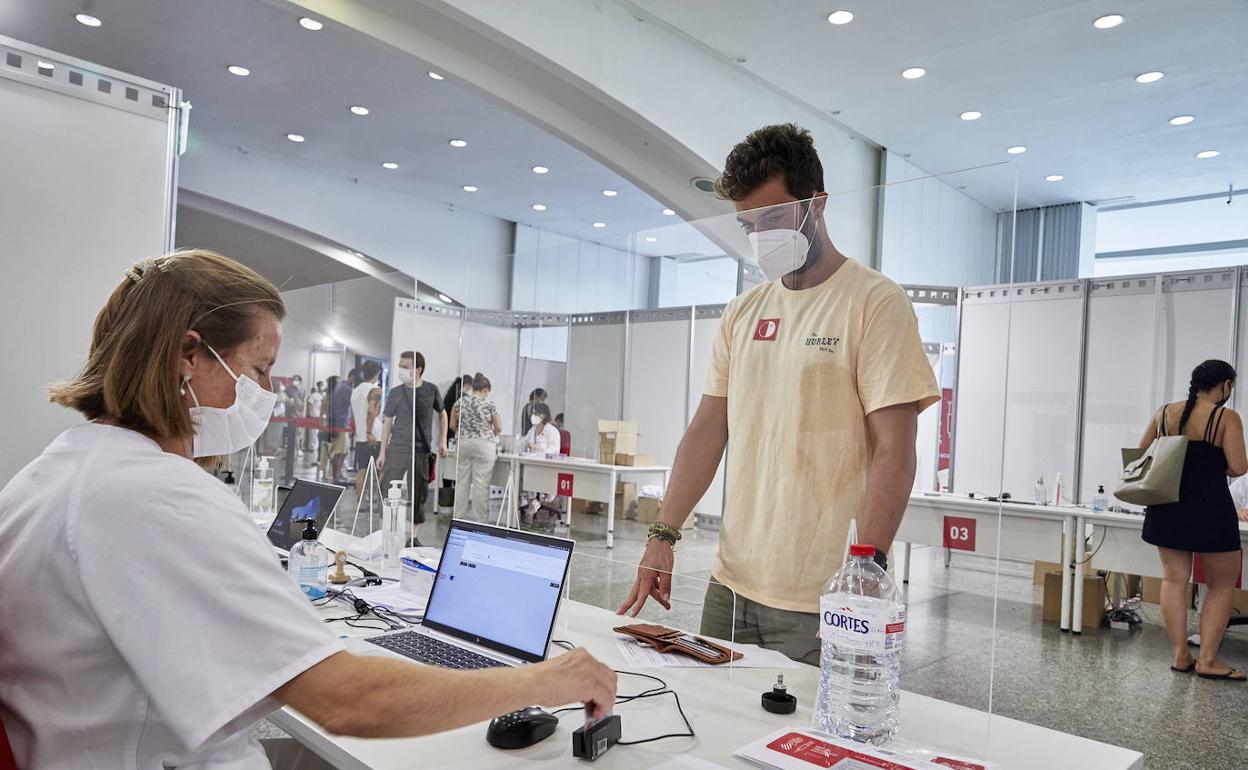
433	652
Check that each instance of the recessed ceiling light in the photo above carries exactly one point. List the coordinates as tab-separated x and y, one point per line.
445	298
87	20
1206	154
389	165
913	73
540	169
610	193
600	225
1181	120
539	206
296	138
45	65
840	17
309	23
469	188
1054	178
668	213
651	239
1149	77
435	76
1017	149
360	110
327	341
1109	21
458	143
234	69
971	115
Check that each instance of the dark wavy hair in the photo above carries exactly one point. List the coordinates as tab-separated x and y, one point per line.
785	149
1209	374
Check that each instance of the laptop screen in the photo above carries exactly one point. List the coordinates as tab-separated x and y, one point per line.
305	500
499	588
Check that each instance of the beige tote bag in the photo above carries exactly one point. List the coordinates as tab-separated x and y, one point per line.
1152	476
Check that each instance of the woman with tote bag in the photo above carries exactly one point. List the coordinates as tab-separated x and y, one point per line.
1203	520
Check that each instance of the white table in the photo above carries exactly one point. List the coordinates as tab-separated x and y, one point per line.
1009	530
723	706
588	480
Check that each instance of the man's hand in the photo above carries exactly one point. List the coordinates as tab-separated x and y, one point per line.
654	578
381	459
575	676
442	451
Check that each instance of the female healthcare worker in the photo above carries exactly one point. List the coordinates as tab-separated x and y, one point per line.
146	622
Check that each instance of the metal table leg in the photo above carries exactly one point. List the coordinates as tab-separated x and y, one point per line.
1076	621
614	476
1068	542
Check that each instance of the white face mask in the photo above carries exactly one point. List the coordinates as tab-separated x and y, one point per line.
780	251
405	375
535	420
226	431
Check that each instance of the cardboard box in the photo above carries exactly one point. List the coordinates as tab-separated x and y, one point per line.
1043	568
1150	592
585	506
648	509
1093	599
617	426
634	460
626	499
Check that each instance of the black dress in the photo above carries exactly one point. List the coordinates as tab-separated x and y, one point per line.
1203	520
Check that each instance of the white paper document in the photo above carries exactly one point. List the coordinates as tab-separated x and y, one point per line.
802	749
638	655
391	597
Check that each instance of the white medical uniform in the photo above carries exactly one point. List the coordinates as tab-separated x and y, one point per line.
144	619
1239	492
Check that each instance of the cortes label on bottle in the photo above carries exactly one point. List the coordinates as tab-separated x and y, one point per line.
863	624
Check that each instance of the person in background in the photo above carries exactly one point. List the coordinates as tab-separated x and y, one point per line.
1239	495
543	436
157	665
538	396
1204	519
339	422
326	435
295	409
316	396
406	429
364	413
453	393
559	421
817	379
478	423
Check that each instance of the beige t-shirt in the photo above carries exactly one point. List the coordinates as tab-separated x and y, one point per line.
801	371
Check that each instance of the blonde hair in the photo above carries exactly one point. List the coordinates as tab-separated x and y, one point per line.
131	374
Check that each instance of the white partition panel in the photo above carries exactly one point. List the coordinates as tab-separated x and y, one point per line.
1241	355
1197	324
87	178
705	327
433	331
491	347
658	377
927	435
595	377
979	417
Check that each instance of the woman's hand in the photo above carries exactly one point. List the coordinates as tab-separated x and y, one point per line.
1242	513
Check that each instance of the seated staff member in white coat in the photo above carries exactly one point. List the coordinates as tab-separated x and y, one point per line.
817	379
148	624
543	437
1239	493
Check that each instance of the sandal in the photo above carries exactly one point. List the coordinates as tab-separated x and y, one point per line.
1189	669
1230	675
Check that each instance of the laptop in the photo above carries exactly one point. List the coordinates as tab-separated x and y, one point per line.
305	500
493	602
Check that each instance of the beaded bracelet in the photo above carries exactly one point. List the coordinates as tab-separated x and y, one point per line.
665	532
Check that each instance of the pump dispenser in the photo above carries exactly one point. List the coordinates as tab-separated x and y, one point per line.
393	524
309	563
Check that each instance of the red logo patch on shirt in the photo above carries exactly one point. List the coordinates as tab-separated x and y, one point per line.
767	329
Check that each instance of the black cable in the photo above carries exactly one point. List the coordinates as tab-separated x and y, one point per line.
679	710
1104	534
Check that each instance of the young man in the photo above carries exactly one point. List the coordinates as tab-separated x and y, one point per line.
406	428
817	379
339	414
363	412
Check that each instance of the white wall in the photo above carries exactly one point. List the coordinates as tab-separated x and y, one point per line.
357	314
461	253
83	193
932	233
702	282
1173	224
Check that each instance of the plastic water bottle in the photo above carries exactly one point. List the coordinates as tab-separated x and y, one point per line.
262	488
1100	501
308	564
393	525
863	621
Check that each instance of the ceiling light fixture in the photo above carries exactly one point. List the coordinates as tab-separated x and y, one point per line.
600	225
1054	178
1149	77
445	298
840	17
296	138
1181	120
45	65
610	193
469	188
435	76
327	341
668	213
1017	149
87	20
1206	154
651	239
389	165
311	24
1109	21
539	206
540	169
913	73
234	69
971	115
360	110
458	143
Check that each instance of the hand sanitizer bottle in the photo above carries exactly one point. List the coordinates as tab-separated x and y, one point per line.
1100	501
1057	491
262	488
393	525
309	564
1041	496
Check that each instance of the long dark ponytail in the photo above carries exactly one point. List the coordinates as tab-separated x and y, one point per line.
1207	375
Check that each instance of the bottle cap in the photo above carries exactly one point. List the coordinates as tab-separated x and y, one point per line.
396	489
309	532
1101	489
862	549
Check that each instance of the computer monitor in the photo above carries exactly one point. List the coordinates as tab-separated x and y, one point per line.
306	500
499	588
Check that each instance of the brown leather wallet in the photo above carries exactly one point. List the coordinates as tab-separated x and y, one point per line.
667	640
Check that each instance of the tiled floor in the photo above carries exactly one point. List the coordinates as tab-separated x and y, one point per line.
1112	686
